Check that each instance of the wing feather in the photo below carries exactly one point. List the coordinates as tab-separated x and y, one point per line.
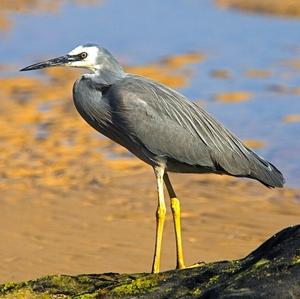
167	124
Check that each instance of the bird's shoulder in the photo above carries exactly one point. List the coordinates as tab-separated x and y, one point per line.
142	88
88	83
145	96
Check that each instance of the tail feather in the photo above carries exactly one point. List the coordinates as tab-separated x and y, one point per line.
265	172
245	163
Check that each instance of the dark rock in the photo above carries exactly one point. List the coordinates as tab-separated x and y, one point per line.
271	271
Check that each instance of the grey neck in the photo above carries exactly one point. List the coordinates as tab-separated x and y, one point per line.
107	71
106	77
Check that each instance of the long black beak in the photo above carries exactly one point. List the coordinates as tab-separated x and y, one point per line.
62	60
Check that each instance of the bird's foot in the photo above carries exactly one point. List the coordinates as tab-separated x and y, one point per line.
196	265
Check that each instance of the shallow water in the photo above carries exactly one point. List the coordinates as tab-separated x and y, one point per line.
140	33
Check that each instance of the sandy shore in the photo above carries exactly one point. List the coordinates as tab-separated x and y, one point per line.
109	225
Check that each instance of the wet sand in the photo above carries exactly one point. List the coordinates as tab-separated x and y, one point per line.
73	202
108	225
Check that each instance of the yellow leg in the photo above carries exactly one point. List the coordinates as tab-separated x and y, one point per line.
160	218
175	207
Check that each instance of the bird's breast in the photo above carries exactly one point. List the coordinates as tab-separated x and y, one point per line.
91	104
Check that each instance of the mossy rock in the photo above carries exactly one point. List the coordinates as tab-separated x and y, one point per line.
271	271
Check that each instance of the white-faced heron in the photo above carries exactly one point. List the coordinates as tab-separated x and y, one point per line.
159	126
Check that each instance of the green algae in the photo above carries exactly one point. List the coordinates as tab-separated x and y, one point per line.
66	284
295	260
232	267
57	286
213	280
88	296
16	290
27	293
8	286
79	287
137	286
196	292
261	263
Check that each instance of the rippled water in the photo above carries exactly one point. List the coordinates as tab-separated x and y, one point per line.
140	32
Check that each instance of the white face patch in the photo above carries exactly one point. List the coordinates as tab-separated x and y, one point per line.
90	61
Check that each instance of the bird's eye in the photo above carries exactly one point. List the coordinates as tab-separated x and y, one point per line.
83	55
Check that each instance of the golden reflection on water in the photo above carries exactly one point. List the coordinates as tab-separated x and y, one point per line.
289	8
258	73
293	63
254	143
233	96
9	7
170	71
291	118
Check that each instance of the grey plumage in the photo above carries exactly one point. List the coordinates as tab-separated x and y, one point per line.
161	127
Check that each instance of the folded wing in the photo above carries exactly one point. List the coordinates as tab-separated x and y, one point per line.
169	125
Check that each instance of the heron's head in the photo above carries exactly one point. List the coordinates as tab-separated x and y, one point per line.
88	56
